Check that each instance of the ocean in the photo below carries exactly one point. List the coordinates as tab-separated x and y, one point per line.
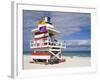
68	53
77	53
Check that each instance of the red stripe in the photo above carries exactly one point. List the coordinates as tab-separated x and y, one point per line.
39	33
40	38
40	53
45	43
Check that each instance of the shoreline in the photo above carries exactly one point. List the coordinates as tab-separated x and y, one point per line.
74	61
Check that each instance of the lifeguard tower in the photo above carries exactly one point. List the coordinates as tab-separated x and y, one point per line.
46	49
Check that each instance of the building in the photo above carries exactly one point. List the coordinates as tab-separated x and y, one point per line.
46	49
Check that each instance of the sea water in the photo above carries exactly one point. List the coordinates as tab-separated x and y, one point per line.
77	53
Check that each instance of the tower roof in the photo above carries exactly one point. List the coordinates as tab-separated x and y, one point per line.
44	25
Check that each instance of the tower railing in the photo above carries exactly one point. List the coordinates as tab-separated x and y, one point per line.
34	44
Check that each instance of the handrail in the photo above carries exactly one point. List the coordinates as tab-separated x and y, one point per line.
45	44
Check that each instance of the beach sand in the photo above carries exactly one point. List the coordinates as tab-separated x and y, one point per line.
74	61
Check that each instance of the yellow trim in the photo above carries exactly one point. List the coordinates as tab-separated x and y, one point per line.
42	21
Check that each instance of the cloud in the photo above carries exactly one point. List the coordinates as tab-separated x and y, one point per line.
78	42
69	23
78	45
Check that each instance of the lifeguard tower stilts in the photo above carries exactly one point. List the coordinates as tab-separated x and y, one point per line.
46	49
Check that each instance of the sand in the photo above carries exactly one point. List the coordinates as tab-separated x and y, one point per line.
74	61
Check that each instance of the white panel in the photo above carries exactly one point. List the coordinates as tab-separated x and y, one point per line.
40	35
49	26
40	25
40	57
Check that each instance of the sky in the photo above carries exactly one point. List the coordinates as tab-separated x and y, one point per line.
72	26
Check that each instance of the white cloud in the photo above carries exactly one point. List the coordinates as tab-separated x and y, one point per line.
78	45
69	23
78	42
